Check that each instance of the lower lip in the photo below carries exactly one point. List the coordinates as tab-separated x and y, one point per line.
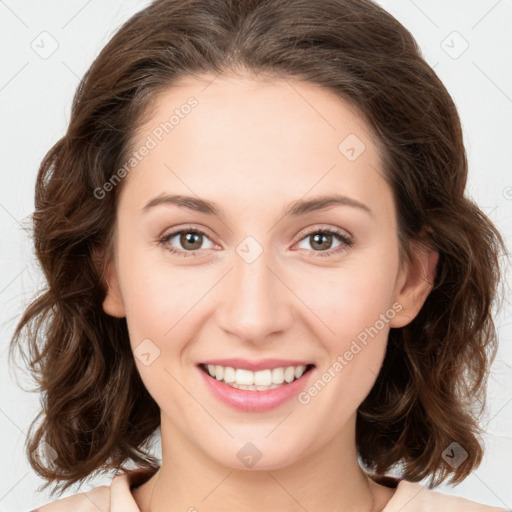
255	401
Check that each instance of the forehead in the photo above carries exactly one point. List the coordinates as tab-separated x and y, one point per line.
237	139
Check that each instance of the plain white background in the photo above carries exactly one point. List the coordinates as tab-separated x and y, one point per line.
47	46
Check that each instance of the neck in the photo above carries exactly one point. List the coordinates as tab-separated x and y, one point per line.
326	479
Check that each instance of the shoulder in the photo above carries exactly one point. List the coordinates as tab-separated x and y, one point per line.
414	497
95	500
104	498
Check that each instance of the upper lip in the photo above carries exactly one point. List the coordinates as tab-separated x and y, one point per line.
262	364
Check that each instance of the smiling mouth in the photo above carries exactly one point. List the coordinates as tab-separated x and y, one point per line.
262	380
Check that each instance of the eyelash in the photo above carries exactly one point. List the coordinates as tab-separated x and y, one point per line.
347	242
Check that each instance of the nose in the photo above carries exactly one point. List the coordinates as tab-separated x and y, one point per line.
255	301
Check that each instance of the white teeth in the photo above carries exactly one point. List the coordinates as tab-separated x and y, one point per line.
255	381
289	374
263	378
277	375
253	388
244	377
229	374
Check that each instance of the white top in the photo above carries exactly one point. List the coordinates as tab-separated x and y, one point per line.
408	497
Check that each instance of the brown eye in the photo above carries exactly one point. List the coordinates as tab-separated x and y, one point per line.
191	240
321	242
186	242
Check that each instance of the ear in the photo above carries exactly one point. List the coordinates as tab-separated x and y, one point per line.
414	283
113	302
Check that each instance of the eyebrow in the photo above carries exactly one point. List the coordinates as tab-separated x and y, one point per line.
295	208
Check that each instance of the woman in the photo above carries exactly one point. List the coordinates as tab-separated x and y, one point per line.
330	321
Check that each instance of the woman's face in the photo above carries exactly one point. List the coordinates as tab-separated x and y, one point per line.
256	274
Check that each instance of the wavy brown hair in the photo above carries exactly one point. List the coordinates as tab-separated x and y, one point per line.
96	413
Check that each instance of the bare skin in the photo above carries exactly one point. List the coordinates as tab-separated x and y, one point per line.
253	148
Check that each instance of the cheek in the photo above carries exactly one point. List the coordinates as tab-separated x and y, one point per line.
353	347
353	306
351	297
160	303
156	295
